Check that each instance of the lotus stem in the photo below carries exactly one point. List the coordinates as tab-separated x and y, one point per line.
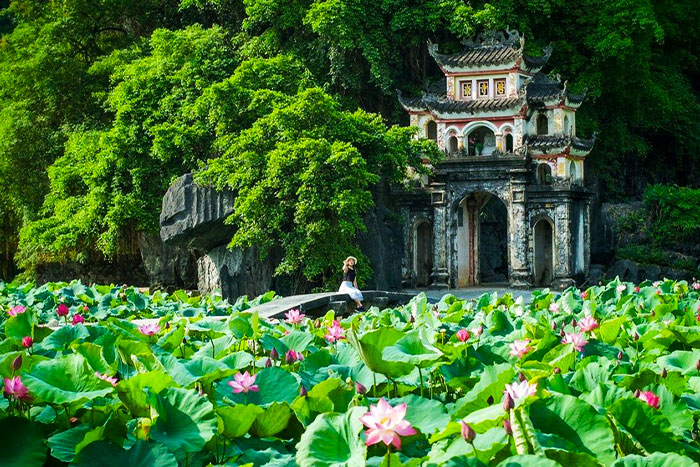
420	376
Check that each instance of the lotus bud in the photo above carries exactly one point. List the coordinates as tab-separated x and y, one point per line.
184	340
85	308
480	330
167	325
561	332
507	427
274	354
557	370
697	365
664	373
359	388
27	341
73	420
411	319
573	322
554	326
302	391
635	336
489	401
17	363
467	432
637	289
62	310
636	393
268	363
521	376
508	403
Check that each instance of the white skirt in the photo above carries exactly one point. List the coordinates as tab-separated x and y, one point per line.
348	288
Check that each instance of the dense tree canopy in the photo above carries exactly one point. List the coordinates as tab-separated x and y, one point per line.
103	102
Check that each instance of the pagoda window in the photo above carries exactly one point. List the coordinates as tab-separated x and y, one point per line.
483	88
509	142
431	130
500	87
466	89
542	124
566	125
453	145
544	174
572	171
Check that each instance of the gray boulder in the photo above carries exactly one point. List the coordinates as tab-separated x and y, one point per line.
167	267
193	216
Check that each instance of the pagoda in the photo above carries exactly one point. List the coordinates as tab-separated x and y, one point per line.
508	203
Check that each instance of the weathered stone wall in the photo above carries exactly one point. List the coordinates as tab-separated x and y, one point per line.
121	270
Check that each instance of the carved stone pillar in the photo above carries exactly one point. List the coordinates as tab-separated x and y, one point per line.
563	252
440	275
407	279
519	268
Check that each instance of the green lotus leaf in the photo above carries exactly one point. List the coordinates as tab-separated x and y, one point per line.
65	380
94	356
206	369
455	450
371	346
141	454
63	337
133	392
186	420
237	360
63	444
656	459
648	426
333	440
297	340
424	414
683	361
274	385
492	382
413	349
274	419
588	378
578	423
238	419
22	325
528	460
22	443
176	368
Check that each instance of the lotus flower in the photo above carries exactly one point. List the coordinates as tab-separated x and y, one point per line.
110	379
16	310
359	388
656	283
14	387
292	356
578	340
150	329
243	383
463	335
621	288
650	398
554	308
62	310
478	331
294	316
78	318
584	295
467	432
696	285
335	332
386	424
637	289
520	390
588	324
27	341
520	348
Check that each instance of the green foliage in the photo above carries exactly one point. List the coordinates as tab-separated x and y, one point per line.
173	404
675	214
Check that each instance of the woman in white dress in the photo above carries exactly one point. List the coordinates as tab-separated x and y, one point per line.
349	284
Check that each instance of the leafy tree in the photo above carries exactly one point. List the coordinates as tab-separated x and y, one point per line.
302	176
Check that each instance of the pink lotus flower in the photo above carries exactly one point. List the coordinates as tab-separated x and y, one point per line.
62	310
243	383
27	341
150	329
292	356
520	390
78	319
584	295
335	332
294	316
467	432
463	335
578	340
16	310
650	398
696	285
637	289
478	331
14	387
520	348
386	424
554	308
621	288
588	324
110	379
656	283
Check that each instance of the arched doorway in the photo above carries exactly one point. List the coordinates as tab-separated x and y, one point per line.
453	145
544	174
544	257
431	130
482	240
509	143
481	141
424	253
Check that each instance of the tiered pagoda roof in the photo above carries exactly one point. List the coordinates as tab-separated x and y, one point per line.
558	144
491	49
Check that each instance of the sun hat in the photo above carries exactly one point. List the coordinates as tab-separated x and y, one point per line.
350	258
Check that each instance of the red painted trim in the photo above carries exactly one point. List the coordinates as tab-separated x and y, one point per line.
466	74
556	156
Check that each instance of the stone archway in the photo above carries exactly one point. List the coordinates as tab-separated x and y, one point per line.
543	234
482	240
423	260
481	140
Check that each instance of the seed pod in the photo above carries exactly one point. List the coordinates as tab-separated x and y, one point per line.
17	363
508	403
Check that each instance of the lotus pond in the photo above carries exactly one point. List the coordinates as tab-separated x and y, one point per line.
605	376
